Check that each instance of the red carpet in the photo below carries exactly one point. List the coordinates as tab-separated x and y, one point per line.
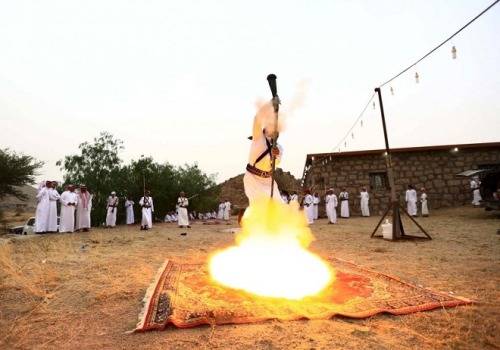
184	296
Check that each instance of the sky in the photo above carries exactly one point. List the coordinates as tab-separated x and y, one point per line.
179	81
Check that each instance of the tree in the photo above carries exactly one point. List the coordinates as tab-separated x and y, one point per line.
97	166
16	171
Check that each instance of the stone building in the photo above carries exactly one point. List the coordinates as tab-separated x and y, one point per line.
434	167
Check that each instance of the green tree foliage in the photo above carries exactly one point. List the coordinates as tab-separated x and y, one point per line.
16	171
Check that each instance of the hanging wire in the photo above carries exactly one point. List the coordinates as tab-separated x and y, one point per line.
437	47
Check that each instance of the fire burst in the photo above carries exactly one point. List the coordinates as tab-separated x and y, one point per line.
270	257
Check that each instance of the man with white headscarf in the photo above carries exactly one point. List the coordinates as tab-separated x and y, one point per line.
146	203
42	208
68	205
331	206
183	218
52	215
111	206
476	193
83	209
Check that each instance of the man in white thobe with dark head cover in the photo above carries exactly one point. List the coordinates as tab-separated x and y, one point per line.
42	208
258	177
146	204
331	206
83	208
344	203
68	200
183	218
411	200
227	209
111	206
476	193
364	198
53	198
129	211
220	213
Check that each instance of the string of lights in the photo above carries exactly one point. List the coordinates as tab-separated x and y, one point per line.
454	56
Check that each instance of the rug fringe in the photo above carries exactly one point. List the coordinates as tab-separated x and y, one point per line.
147	298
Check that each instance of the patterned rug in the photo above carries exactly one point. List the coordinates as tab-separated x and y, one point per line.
185	296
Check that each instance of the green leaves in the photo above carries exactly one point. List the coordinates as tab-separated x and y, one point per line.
15	171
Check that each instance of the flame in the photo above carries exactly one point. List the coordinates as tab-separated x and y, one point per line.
270	257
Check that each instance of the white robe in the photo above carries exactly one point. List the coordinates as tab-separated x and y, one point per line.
227	210
309	208
476	193
411	202
363	202
220	213
129	211
52	218
111	206
344	204
83	210
425	208
316	201
42	210
183	218
256	186
331	208
146	203
67	223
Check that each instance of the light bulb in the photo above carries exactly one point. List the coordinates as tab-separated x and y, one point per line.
453	53
392	91
417	78
373	104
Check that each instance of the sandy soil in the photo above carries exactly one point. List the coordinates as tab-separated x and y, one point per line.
84	291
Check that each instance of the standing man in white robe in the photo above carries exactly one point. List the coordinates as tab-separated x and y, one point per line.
53	198
331	206
363	202
129	211
68	200
308	206
258	177
83	209
423	202
316	201
476	193
294	197
146	204
220	213
42	208
411	200
183	218
227	209
344	203
111	206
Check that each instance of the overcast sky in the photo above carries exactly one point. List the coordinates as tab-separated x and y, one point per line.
179	80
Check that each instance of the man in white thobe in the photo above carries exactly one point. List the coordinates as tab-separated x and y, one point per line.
331	206
423	202
129	211
220	213
146	204
344	203
68	200
183	218
83	209
364	198
411	200
476	193
227	209
316	201
53	198
258	177
308	206
111	206
42	208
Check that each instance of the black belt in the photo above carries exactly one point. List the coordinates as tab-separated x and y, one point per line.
253	170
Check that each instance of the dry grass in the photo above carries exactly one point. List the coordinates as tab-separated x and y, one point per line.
84	291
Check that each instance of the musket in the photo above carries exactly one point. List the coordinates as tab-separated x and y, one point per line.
271	79
193	196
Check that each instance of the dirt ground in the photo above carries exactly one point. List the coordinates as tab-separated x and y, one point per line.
85	290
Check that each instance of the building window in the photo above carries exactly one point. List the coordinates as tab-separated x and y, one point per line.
379	180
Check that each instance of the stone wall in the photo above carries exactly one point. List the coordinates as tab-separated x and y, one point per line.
434	169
